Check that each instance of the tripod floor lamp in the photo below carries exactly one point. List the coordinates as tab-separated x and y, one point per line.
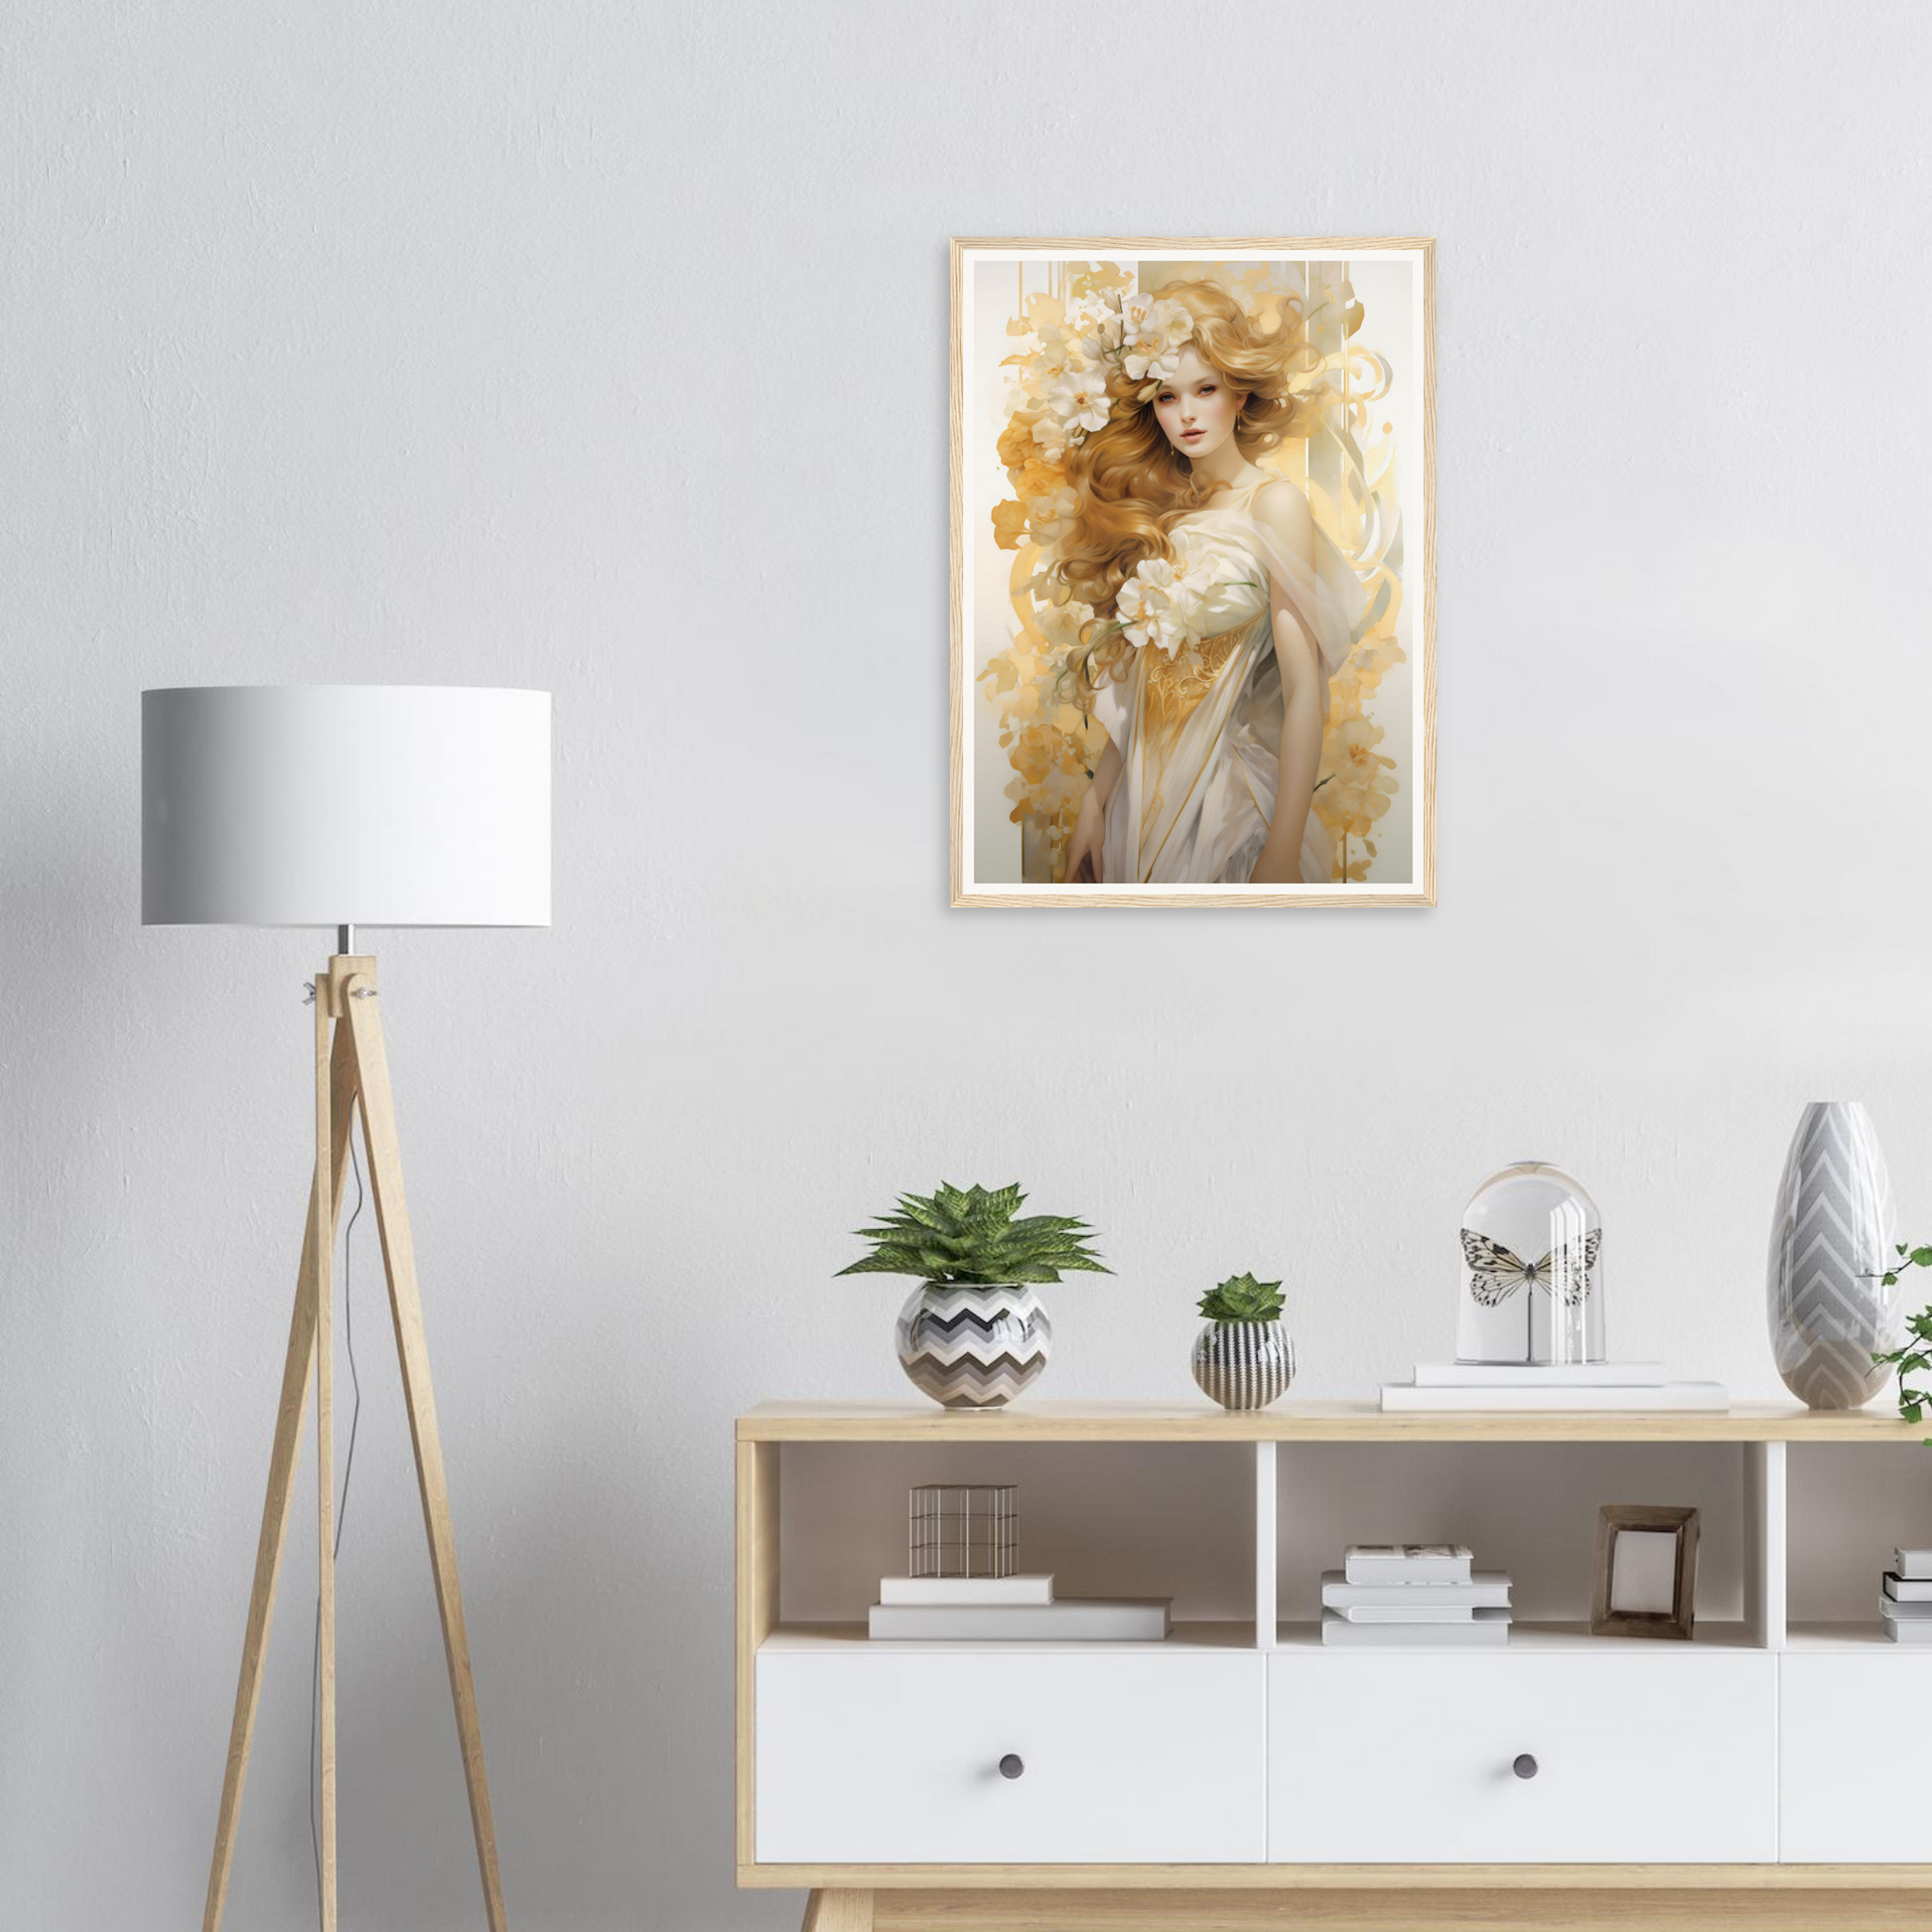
347	806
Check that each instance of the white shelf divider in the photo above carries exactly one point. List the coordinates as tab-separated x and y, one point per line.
1265	1533
1766	1567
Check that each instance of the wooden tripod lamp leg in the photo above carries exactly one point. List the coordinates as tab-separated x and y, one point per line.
281	1471
405	1306
326	1166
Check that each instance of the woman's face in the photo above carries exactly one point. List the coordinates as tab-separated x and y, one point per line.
1196	409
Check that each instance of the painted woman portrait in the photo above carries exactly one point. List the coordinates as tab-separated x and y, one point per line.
1205	591
1220	611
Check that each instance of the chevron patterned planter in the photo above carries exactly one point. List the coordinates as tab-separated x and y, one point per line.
1831	1239
1243	1364
973	1348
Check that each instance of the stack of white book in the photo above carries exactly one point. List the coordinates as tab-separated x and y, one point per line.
1523	1387
1906	1599
1391	1595
948	1610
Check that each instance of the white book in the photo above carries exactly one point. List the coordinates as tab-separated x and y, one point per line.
1710	1396
1482	1627
1906	1589
1905	1612
966	1590
1909	1633
1486	1590
1407	1613
1406	1563
1540	1375
1915	1566
1122	1619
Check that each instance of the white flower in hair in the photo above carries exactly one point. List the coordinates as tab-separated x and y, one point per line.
1154	330
1084	338
1151	318
1088	355
1064	353
1096	319
1078	399
1159	371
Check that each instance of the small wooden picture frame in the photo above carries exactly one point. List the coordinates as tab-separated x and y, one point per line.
1646	1572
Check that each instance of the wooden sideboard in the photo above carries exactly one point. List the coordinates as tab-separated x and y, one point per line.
1764	1776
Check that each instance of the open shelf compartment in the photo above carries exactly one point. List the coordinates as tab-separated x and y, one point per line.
1530	1511
1849	1506
1104	1519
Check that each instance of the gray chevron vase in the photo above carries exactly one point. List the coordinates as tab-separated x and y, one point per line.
973	1348
1831	1240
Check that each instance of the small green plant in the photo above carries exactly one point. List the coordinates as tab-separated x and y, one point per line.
1243	1299
969	1237
1916	1358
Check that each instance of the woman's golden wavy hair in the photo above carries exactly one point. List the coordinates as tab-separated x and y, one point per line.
1133	483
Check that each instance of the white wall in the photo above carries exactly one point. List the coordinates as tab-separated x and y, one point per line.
605	350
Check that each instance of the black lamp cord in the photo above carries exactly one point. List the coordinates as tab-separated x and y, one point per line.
342	1508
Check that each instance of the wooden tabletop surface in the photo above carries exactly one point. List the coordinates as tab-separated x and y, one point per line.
1290	1421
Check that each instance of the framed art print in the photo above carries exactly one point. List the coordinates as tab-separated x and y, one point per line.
1192	573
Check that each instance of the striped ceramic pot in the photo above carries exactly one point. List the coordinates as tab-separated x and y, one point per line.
973	1348
1244	1364
1831	1237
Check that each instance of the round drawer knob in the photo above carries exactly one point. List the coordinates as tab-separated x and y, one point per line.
1525	1766
1012	1766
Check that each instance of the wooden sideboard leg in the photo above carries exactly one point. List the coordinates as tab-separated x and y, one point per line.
838	1911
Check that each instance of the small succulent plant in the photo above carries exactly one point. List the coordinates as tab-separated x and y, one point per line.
969	1237
1243	1299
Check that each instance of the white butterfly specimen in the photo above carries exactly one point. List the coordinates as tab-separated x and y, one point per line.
1495	1274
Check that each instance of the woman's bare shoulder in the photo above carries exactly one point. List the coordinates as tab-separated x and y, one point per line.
1283	505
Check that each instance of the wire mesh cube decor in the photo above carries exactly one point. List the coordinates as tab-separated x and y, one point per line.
963	1529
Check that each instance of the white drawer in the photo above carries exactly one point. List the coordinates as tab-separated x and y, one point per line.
1851	1776
1386	1758
869	1755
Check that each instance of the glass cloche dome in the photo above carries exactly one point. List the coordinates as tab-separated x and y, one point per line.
1532	1286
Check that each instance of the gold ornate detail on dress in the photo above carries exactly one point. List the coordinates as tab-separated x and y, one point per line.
1176	685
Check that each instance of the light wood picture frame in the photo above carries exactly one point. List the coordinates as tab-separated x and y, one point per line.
1616	1610
1334	339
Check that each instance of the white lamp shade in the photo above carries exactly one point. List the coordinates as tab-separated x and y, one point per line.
344	804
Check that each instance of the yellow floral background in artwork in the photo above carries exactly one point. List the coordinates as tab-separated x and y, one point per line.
1349	469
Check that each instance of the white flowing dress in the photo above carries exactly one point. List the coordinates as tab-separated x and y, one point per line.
1199	734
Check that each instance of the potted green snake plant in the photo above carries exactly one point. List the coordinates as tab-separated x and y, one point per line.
972	1334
